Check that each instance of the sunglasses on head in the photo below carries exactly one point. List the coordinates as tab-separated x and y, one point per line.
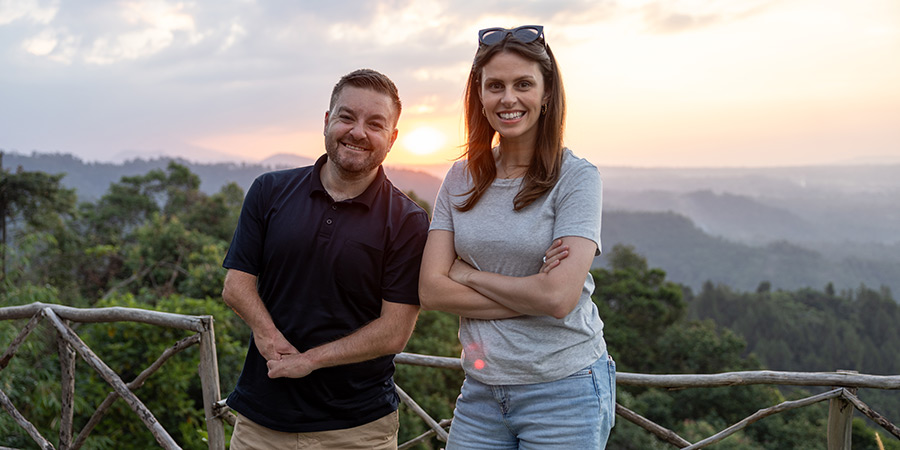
523	34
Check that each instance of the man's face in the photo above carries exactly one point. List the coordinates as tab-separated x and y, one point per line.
359	130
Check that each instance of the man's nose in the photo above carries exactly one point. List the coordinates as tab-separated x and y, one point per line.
358	131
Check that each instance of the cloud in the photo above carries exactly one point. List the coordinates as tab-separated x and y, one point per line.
131	72
675	16
152	28
29	10
41	44
235	33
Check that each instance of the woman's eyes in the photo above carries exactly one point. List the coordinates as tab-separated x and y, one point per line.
519	85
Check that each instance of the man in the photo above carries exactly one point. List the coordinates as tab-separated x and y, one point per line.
324	267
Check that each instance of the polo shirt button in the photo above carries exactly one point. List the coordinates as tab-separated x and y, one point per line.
328	221
334	207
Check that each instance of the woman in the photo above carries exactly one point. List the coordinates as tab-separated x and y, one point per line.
515	229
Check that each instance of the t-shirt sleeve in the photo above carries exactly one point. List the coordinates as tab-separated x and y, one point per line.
442	218
579	204
245	251
401	270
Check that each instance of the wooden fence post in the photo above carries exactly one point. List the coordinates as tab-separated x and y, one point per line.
113	379
209	381
840	420
67	396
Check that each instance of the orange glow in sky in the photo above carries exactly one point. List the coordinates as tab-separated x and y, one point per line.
790	83
649	82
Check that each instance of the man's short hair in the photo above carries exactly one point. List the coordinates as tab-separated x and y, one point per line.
368	79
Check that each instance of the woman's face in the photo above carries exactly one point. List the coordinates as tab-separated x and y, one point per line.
512	92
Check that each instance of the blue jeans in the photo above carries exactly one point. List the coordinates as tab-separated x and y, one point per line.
576	412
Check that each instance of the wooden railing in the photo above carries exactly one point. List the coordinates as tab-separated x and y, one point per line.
842	398
69	344
841	395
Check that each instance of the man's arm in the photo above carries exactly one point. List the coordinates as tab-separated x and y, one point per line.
386	335
241	295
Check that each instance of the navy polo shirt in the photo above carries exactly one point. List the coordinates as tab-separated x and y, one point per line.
323	268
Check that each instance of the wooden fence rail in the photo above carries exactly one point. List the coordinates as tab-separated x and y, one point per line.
70	344
842	395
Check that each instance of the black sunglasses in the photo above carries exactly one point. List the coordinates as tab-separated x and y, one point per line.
523	34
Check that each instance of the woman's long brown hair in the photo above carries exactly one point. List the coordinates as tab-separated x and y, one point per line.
543	171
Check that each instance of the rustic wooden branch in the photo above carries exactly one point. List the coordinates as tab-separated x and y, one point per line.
222	411
134	277
133	385
209	384
176	270
441	434
759	377
441	362
679	381
660	432
67	396
443	424
111	314
162	437
17	341
781	407
23	422
877	418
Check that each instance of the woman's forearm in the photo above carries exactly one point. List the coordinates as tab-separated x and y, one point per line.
553	293
443	294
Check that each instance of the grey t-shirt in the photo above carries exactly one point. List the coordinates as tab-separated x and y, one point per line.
493	237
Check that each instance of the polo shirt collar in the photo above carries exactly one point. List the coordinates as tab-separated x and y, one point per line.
366	198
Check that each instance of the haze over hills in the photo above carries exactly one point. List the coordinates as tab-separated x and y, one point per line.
794	227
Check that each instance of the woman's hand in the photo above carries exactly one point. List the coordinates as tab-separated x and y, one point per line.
460	271
552	257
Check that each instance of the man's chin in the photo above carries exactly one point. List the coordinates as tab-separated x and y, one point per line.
356	167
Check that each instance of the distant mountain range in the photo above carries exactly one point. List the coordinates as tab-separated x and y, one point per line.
793	227
92	179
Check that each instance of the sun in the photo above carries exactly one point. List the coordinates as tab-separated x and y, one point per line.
424	140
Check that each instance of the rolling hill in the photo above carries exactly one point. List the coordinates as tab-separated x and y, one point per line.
792	227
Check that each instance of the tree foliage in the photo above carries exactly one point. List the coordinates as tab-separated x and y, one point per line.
34	209
813	331
156	241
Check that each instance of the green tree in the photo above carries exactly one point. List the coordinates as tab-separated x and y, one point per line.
152	241
647	331
142	232
636	304
34	238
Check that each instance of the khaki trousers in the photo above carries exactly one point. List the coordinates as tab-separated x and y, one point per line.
380	434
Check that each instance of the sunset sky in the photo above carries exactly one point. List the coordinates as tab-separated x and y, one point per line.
697	83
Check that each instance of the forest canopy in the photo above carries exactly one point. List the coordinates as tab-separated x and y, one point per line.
156	241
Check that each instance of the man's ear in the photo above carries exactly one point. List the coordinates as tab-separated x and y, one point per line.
325	128
394	138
